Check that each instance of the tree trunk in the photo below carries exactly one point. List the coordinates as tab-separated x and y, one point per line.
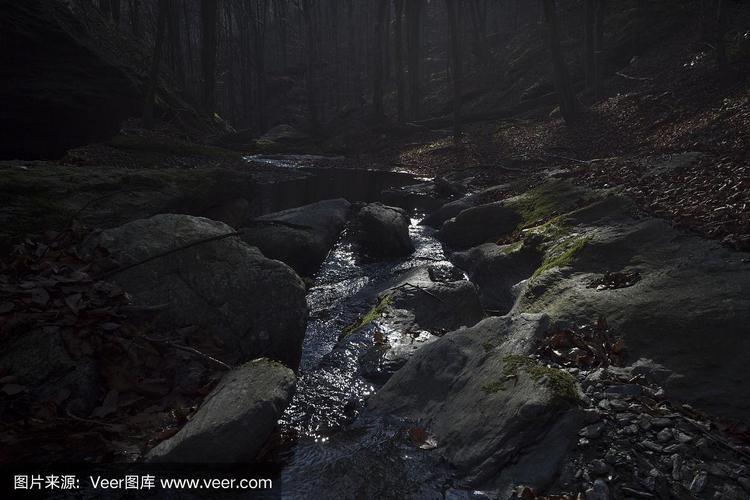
377	61
398	58
115	5
721	29
135	18
148	107
175	42
588	48
599	47
414	35
209	18
454	19
559	68
312	104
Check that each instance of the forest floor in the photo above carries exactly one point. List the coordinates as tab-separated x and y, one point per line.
670	103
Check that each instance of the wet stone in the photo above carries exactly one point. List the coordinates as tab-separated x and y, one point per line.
599	491
698	483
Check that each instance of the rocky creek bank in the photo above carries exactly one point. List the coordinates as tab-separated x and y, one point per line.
573	347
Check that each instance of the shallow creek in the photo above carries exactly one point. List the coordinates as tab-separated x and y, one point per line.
331	450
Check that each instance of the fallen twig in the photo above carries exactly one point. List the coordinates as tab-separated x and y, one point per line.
171	251
191	350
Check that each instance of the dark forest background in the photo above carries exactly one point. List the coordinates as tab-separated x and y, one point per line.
338	70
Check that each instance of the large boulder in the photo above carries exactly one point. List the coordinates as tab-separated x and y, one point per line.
415	311
236	418
301	237
480	224
247	304
678	301
383	231
60	89
425	196
497	415
455	207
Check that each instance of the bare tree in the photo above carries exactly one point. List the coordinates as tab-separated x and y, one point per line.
559	67
209	19
721	29
398	49
377	60
414	44
161	23
454	19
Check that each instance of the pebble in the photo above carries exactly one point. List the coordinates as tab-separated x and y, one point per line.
699	482
664	435
599	491
611	457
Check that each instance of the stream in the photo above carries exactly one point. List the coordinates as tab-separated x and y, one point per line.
332	449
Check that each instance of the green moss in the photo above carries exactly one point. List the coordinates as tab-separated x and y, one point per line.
537	204
552	230
561	255
368	317
493	387
512	248
561	382
488	346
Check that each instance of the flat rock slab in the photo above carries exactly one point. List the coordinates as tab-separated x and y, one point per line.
501	419
688	311
236	418
300	237
248	304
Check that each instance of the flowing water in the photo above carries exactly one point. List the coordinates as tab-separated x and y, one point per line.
332	449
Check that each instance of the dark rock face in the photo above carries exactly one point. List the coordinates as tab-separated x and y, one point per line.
235	420
497	432
479	225
59	89
300	237
496	269
383	231
251	305
453	208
